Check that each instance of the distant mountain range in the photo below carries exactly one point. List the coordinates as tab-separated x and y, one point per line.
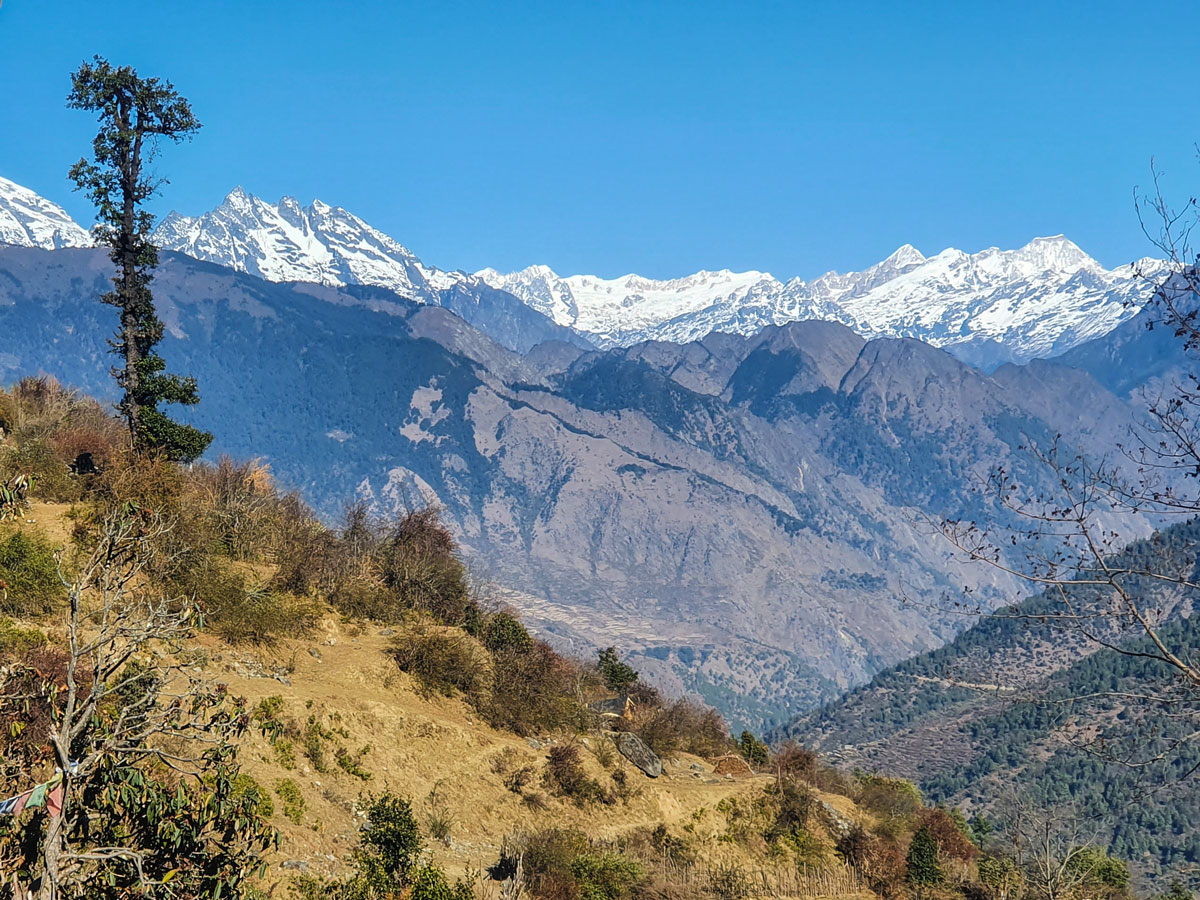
986	308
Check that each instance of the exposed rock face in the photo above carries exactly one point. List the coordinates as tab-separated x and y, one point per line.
634	749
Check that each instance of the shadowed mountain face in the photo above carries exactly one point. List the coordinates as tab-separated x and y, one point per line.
743	514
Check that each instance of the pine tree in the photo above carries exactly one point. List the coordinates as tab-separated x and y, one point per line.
134	114
617	675
922	860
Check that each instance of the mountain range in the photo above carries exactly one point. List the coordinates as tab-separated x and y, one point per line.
987	308
743	513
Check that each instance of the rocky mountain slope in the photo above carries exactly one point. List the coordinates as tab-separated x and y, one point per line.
744	514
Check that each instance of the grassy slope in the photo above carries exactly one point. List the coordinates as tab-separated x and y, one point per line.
342	676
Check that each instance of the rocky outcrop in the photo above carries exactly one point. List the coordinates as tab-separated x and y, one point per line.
634	749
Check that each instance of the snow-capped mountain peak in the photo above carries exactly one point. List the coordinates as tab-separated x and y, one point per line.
30	220
1032	300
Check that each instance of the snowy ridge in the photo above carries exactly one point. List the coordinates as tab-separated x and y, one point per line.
287	242
988	307
30	220
1038	300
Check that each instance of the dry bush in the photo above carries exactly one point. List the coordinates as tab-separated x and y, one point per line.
417	564
534	691
795	761
832	781
242	502
565	776
682	725
444	660
44	427
951	841
879	863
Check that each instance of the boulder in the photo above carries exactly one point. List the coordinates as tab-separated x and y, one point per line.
634	749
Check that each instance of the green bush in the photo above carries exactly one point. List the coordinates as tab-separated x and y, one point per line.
430	884
504	633
922	860
753	750
29	583
15	640
293	800
605	876
617	675
246	787
1096	867
391	841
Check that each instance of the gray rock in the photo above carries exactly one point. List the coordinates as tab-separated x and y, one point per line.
298	865
634	749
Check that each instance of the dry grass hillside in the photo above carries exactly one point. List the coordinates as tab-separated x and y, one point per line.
336	721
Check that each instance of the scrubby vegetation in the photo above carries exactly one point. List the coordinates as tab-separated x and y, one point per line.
261	569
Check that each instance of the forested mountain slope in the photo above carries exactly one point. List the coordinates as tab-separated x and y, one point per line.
1018	702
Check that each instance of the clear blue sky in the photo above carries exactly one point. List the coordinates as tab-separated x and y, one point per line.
657	137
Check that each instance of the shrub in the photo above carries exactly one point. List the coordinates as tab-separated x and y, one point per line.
351	763
1095	867
391	840
793	807
244	786
605	876
952	841
729	882
242	614
793	760
430	884
504	633
416	562
293	800
546	857
29	582
240	499
889	797
921	864
880	864
15	641
565	776
519	779
534	691
682	725
443	660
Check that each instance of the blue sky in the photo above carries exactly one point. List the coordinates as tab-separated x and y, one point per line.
611	136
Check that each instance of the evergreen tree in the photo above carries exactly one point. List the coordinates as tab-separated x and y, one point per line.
753	750
134	114
922	860
617	675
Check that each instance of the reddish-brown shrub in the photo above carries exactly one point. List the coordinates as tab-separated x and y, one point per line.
948	836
